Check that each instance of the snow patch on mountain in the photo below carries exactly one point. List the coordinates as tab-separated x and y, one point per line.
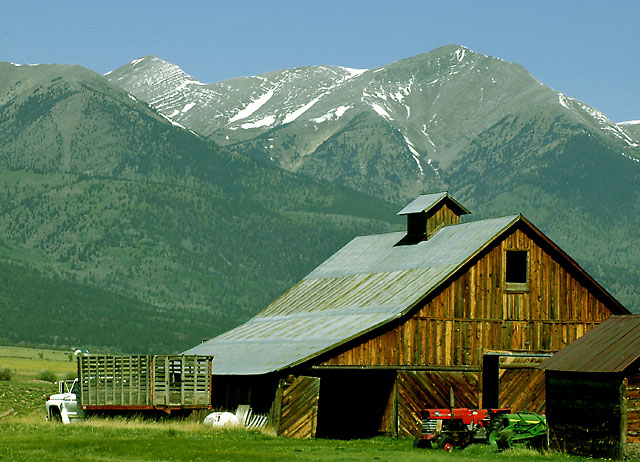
379	110
622	135
435	170
608	125
563	100
333	114
403	90
630	158
265	122
414	152
253	106
354	72
187	107
629	122
297	113
173	122
424	132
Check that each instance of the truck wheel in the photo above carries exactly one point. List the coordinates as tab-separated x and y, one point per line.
54	414
446	443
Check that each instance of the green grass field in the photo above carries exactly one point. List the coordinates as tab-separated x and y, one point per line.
28	363
29	439
25	435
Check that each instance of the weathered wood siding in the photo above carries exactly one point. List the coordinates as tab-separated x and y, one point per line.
590	422
521	384
633	409
442	216
417	390
474	314
295	409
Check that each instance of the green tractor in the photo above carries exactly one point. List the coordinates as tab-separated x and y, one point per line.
520	428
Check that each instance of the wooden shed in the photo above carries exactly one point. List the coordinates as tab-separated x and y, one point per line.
391	322
593	392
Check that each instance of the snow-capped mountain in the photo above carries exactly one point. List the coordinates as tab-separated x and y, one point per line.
429	108
251	102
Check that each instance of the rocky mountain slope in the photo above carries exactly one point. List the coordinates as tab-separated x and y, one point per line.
391	131
483	128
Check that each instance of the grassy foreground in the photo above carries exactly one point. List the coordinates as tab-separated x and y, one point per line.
26	436
32	439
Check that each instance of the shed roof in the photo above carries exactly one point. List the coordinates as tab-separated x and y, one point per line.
368	283
612	346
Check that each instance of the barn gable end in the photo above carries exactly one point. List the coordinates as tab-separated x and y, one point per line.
473	324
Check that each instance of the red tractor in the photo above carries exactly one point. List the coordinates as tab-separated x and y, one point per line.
449	428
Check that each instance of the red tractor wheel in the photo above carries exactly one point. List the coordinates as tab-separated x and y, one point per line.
446	444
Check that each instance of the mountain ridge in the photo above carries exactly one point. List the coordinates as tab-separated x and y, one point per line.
428	142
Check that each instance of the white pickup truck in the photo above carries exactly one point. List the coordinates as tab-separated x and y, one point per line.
63	406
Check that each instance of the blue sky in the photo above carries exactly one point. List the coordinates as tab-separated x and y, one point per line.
589	50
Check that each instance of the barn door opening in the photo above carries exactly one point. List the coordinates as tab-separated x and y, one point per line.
490	381
512	380
355	404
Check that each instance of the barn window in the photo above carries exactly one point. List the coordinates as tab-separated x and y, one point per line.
517	270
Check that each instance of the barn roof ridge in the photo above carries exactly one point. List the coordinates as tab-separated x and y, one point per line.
368	283
426	202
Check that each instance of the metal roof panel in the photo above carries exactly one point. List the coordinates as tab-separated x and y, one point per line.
367	283
611	346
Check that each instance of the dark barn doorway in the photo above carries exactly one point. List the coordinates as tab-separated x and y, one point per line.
512	380
490	381
354	403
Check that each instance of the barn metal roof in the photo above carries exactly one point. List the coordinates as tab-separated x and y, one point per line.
612	346
366	284
426	202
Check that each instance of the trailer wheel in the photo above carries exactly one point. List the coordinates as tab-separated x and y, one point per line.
446	443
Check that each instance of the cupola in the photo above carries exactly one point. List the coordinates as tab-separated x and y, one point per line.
430	212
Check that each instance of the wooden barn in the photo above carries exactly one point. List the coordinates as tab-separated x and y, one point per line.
593	392
391	322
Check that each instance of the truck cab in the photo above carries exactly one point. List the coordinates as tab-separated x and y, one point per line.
63	406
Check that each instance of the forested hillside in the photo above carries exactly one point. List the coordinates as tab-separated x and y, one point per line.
98	189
